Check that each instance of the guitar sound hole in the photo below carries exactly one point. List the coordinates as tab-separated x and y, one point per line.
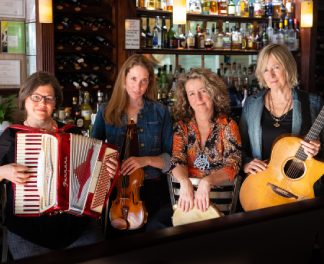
294	168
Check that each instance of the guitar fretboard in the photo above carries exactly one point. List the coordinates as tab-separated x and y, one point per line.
312	134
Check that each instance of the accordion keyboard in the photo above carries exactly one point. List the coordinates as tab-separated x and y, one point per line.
27	196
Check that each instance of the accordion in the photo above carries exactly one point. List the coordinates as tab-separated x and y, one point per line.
68	174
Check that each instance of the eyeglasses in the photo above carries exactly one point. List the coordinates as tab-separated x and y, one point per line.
38	98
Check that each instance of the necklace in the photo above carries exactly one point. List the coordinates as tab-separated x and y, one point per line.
283	115
52	126
201	162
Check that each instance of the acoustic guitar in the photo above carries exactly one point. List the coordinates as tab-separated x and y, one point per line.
289	177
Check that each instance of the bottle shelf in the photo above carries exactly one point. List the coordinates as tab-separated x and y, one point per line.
202	17
197	51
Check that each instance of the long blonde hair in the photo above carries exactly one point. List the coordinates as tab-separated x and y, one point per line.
215	86
119	98
284	57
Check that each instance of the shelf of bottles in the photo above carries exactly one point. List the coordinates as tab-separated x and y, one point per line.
83	46
218	27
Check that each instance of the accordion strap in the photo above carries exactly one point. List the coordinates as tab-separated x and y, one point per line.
33	129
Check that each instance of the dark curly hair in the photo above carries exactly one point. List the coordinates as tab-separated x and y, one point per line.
215	86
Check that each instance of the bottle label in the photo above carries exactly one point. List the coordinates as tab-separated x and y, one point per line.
86	114
79	122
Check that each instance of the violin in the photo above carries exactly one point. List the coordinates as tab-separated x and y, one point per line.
127	211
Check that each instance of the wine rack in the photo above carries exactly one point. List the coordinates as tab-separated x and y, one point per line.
85	56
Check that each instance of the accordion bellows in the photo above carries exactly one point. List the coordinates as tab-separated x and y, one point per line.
68	174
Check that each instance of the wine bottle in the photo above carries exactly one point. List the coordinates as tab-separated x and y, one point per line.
86	109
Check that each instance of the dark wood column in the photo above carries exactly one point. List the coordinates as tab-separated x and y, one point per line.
45	47
307	50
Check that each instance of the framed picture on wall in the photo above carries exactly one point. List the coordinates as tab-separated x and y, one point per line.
12	8
10	73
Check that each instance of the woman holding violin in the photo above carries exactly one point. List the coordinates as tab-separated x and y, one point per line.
141	128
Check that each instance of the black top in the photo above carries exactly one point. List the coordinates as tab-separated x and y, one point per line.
270	133
48	231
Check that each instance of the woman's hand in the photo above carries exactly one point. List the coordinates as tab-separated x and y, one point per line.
15	173
132	164
311	148
112	165
255	166
186	197
202	195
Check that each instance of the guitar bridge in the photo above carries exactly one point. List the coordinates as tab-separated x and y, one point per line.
282	192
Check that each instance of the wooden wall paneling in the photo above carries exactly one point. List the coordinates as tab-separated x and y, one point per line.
307	51
45	47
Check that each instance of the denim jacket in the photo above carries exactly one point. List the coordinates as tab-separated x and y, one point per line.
250	123
154	125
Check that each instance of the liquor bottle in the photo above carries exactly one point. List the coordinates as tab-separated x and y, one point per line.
172	43
290	8
164	34
297	34
169	5
258	12
285	31
141	3
180	37
205	6
194	6
86	110
68	116
150	4
270	29
251	9
291	35
268	8
213	7
149	36
283	11
244	8
236	38
158	5
190	39
208	40
231	8
142	36
227	39
276	6
157	34
280	36
265	37
219	43
222	8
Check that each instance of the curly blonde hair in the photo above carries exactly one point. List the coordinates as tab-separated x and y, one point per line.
215	87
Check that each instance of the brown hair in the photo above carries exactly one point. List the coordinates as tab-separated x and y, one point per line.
119	98
33	82
284	57
215	86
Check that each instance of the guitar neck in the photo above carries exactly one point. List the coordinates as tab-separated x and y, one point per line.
312	134
316	127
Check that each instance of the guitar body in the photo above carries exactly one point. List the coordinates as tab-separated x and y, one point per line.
286	179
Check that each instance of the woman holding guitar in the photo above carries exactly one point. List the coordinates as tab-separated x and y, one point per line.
134	118
281	108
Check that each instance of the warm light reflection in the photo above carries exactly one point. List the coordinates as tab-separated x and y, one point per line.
179	12
306	18
45	11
